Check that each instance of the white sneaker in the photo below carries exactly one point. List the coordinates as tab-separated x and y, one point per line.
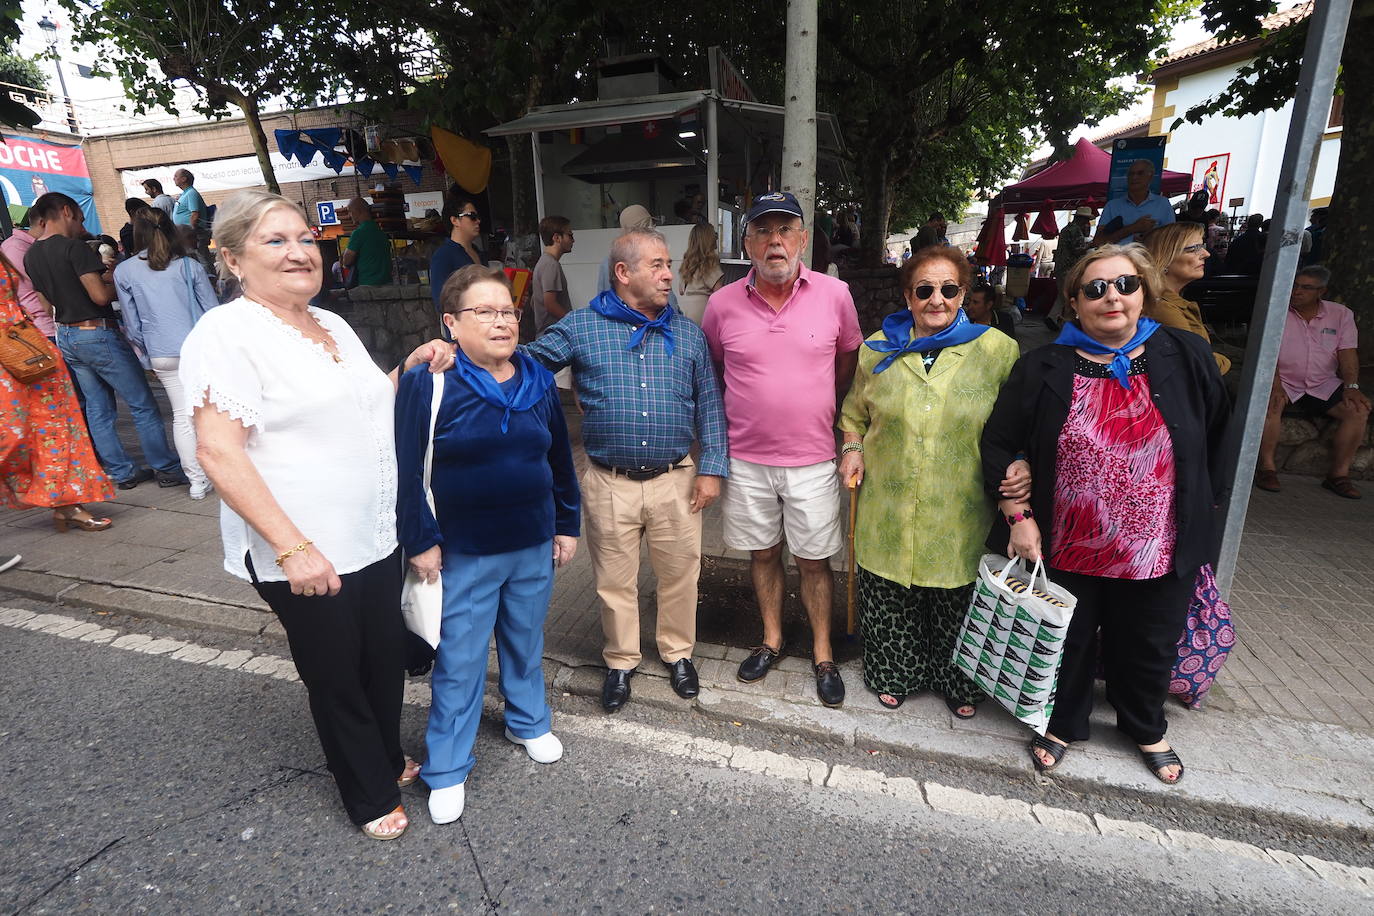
7	562
446	805
201	490
544	749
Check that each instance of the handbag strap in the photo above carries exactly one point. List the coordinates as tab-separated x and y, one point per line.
438	381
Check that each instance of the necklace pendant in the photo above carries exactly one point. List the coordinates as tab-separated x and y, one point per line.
337	358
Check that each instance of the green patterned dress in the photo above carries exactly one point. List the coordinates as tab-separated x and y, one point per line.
923	515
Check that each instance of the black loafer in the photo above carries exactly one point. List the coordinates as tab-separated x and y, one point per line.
683	676
166	479
615	691
761	658
829	684
139	477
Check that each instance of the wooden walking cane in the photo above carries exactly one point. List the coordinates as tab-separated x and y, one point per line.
853	566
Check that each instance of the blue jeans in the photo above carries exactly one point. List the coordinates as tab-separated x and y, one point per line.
103	364
508	593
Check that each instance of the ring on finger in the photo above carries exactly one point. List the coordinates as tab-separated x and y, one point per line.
309	590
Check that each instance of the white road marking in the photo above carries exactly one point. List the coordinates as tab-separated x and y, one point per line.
959	802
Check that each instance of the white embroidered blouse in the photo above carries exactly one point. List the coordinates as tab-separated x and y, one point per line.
320	431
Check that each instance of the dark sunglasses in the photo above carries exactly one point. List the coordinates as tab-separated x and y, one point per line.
949	291
1125	285
470	214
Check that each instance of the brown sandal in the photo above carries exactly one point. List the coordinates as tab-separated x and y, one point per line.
64	520
409	773
1341	486
1267	480
376	831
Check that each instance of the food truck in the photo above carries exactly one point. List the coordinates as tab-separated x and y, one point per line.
642	141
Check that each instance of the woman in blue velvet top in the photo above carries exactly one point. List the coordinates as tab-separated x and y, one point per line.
506	513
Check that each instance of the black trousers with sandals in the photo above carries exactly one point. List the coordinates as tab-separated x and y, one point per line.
1139	622
349	650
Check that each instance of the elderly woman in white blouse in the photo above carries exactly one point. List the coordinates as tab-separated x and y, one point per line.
293	424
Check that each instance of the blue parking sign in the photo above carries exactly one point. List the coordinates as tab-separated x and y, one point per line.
328	217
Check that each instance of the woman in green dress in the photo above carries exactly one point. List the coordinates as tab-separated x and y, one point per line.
912	421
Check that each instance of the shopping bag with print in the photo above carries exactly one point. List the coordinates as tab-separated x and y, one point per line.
1206	642
1011	642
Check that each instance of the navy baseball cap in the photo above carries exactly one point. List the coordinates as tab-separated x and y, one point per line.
774	202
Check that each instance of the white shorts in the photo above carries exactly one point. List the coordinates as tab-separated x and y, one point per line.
763	503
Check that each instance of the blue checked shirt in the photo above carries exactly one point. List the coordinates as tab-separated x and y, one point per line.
642	407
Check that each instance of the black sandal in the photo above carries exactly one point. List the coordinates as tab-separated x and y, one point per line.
954	706
1158	760
896	700
1053	748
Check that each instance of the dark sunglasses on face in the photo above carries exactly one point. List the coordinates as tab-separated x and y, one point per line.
469	214
1125	285
949	291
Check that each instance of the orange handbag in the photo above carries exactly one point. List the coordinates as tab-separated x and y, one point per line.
25	353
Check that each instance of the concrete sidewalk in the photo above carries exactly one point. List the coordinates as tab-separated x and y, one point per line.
1286	735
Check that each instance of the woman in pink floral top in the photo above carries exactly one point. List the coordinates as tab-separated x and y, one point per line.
1122	420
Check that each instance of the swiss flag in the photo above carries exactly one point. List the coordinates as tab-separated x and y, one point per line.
651	130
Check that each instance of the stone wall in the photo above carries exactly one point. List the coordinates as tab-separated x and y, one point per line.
390	320
876	293
1305	448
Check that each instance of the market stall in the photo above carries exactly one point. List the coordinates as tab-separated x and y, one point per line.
1079	181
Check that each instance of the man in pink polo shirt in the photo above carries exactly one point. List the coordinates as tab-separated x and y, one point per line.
786	340
1319	375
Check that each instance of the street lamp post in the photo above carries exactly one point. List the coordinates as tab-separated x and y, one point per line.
50	31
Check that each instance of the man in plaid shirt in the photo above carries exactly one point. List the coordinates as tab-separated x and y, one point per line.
648	389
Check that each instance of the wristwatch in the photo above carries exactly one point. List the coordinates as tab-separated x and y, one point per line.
1352	386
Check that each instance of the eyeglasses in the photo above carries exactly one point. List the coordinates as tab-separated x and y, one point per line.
489	316
1194	248
784	233
470	214
948	290
1125	285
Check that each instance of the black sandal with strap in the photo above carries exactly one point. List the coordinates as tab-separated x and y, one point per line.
1053	748
896	700
1158	760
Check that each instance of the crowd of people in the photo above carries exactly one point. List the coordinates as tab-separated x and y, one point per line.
1100	455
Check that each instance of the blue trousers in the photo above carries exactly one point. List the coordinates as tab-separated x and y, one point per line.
104	365
507	592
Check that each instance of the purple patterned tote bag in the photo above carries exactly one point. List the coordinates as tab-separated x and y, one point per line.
1205	643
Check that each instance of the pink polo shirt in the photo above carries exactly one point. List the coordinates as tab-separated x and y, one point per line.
15	247
779	367
1307	356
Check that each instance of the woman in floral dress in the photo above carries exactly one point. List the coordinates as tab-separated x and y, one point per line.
46	458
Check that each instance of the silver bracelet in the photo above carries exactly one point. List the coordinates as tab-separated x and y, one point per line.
851	447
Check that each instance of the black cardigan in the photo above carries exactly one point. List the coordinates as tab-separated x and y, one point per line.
1033	406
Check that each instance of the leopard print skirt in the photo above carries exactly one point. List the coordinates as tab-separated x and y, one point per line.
909	635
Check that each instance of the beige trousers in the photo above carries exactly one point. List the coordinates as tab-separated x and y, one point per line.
617	515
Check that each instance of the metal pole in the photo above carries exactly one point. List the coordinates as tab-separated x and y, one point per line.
799	124
538	177
62	81
1321	57
712	188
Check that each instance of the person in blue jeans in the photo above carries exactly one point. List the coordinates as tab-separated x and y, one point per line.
73	279
505	512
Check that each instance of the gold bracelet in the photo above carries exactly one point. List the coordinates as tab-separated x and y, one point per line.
299	548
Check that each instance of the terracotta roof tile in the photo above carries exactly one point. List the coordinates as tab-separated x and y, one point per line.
1279	20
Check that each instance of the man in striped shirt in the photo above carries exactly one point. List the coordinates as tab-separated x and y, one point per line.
648	390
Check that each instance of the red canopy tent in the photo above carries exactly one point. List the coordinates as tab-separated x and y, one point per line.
1078	181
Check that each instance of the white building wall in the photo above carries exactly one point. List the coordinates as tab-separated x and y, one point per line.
1255	142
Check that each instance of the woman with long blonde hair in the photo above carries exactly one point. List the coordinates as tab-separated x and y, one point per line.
701	272
1180	252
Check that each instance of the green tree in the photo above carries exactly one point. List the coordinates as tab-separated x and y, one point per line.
240	53
1269	82
17	70
22	71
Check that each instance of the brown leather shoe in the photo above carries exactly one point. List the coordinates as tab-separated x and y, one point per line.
1267	480
1341	486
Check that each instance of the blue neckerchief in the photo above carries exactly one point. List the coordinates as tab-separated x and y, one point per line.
612	306
899	326
1072	336
535	380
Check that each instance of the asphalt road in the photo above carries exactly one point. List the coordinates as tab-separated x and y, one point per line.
142	784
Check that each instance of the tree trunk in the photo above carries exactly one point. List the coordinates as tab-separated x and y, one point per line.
523	216
249	104
1350	218
876	197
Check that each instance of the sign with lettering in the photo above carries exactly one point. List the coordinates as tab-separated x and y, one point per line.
726	81
30	168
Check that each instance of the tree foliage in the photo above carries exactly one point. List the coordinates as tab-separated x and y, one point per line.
17	70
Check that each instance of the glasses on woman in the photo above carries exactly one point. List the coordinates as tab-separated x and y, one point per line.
925	291
1125	285
489	316
1194	248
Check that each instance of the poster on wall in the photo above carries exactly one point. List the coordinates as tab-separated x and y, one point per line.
1209	174
1128	150
30	168
230	174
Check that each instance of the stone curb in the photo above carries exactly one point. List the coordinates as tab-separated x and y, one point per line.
917	739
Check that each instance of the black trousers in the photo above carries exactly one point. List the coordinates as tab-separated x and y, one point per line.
1140	621
349	651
